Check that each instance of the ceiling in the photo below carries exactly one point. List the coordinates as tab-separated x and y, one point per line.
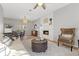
18	10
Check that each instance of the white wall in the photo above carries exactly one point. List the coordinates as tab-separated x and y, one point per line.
67	17
12	22
1	22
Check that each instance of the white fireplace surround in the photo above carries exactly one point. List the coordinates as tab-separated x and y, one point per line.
47	28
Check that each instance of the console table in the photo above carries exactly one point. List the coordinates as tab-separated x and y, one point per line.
39	45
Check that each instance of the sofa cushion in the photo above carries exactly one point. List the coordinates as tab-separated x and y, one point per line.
67	36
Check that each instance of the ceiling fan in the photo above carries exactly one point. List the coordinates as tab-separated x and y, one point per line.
40	5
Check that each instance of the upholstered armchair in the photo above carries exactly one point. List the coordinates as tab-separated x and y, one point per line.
67	37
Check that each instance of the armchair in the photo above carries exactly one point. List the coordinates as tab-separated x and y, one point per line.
67	37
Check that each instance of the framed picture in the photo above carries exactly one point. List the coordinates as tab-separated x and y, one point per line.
45	20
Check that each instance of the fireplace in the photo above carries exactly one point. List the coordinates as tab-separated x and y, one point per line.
46	32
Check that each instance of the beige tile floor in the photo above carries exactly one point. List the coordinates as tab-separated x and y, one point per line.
23	48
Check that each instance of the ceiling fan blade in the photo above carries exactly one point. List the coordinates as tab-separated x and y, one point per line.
35	6
44	6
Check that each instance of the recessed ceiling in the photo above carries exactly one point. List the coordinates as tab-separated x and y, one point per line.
18	10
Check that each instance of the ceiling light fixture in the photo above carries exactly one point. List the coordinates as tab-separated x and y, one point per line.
40	5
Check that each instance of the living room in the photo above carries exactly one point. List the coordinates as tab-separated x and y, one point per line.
34	21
